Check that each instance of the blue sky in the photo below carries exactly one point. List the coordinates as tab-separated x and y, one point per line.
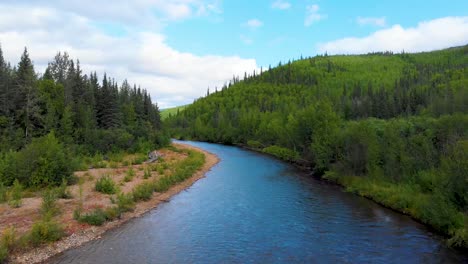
283	34
178	48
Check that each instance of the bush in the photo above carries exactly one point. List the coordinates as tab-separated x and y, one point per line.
254	144
143	192
139	159
41	163
49	207
105	185
282	153
97	217
129	175
7	242
45	231
3	193
62	191
16	194
147	174
124	202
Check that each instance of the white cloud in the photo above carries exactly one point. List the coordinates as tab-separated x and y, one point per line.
281	4
313	15
150	14
143	57
374	21
253	23
428	35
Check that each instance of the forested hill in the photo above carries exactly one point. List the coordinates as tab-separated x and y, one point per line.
393	127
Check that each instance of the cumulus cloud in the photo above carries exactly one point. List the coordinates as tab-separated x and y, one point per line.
313	15
143	57
428	35
374	21
280	4
253	23
147	13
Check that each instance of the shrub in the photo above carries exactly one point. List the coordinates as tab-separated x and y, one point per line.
129	175
282	153
97	217
112	213
62	191
143	192
139	159
41	163
105	185
254	144
16	194
7	242
3	253
147	174
124	202
45	231
3	193
49	206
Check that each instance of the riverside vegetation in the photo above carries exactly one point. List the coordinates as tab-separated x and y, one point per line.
62	121
391	127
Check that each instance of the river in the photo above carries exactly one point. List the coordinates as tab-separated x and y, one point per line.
251	208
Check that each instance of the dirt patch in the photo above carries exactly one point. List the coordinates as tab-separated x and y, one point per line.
77	233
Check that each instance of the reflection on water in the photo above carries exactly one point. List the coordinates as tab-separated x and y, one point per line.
254	209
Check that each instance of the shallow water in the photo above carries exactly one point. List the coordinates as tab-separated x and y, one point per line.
251	208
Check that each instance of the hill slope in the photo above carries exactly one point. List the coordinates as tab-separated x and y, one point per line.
389	127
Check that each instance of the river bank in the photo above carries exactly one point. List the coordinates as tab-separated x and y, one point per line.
78	233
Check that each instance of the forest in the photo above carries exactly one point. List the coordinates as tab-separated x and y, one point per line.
390	127
50	122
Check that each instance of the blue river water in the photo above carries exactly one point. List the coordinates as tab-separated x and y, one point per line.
251	208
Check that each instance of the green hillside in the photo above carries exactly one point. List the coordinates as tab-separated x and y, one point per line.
393	128
165	113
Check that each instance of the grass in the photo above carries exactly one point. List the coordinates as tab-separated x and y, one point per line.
429	208
106	185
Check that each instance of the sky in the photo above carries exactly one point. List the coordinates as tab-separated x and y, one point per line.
177	49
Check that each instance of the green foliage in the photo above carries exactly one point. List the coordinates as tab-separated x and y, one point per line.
7	242
106	185
41	163
282	153
124	202
168	112
16	194
143	192
147	173
254	144
49	206
389	127
183	170
45	231
129	175
62	191
97	217
3	193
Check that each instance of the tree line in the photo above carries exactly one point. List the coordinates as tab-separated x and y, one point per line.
75	113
